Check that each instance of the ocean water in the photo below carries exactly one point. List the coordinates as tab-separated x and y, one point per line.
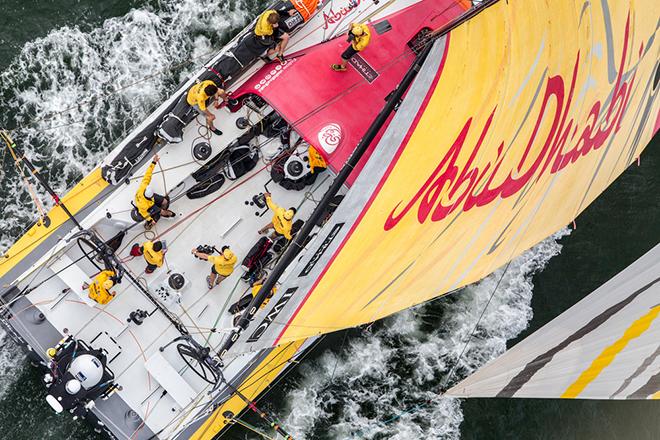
380	383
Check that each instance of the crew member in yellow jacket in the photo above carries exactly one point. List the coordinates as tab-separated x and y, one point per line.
149	205
198	97
291	14
154	254
222	265
237	308
99	290
359	36
270	34
256	287
282	219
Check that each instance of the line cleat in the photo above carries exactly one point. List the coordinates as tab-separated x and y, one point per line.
338	68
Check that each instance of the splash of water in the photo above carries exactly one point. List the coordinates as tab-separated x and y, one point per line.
76	70
363	391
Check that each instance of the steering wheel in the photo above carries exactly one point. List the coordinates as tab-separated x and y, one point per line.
196	360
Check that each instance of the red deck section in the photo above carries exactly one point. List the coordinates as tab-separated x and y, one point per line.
332	110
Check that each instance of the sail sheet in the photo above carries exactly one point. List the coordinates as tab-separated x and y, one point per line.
519	118
607	346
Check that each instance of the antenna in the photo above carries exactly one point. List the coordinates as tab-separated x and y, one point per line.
11	145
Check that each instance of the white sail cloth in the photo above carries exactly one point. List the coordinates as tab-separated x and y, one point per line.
607	346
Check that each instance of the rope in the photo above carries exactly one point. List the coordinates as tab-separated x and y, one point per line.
222	310
19	166
252	428
185	218
332	376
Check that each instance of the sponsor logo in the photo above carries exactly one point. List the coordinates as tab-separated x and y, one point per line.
273	74
270	317
331	17
329	137
453	186
321	250
363	68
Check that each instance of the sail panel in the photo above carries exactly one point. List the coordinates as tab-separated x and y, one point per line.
515	129
604	347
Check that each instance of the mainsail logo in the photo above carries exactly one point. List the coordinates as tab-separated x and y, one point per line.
268	320
451	186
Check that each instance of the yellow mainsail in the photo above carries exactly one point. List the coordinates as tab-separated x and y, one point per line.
518	120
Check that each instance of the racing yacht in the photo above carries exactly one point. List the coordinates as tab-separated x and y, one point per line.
458	138
146	364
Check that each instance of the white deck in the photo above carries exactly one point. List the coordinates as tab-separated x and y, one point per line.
227	221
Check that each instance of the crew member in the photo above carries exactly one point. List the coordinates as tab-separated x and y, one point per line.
359	37
282	219
99	290
151	206
256	287
302	10
270	34
154	254
198	97
222	265
245	301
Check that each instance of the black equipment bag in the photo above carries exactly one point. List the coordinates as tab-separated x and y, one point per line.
242	159
171	129
206	187
241	304
256	252
134	151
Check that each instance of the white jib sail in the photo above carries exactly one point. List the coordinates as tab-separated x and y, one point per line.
607	346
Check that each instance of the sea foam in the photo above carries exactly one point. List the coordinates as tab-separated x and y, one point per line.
78	71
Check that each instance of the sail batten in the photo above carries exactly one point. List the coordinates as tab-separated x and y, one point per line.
604	347
509	131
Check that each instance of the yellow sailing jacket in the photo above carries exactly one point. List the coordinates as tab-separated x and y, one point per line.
197	96
281	225
255	290
315	160
96	290
263	28
362	41
223	266
142	203
152	256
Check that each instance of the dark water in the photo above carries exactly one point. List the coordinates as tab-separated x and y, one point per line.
338	393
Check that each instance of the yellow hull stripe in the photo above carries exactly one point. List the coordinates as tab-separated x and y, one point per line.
607	356
252	387
76	199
